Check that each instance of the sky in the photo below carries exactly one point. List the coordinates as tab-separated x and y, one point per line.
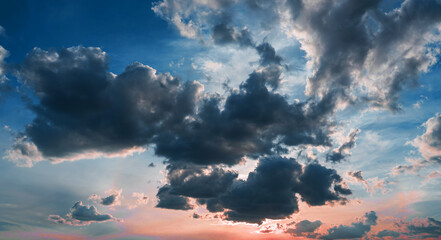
220	119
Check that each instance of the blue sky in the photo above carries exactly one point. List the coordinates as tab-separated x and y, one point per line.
120	119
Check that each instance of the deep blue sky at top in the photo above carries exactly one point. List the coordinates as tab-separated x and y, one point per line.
127	30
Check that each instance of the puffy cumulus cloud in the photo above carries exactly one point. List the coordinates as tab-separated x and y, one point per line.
252	122
268	192
429	144
82	215
355	230
340	153
305	228
370	54
86	112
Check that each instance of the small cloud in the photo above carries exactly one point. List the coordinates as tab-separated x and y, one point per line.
80	215
113	197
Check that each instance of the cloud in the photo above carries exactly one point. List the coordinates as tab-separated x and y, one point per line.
340	153
429	144
388	233
374	185
170	201
413	168
193	181
357	47
86	112
249	124
431	229
268	192
82	215
224	34
140	199
305	228
4	85
113	198
355	230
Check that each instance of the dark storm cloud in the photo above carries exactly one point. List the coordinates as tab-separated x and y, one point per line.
268	192
305	228
315	184
355	230
84	108
355	43
82	215
170	201
251	119
339	154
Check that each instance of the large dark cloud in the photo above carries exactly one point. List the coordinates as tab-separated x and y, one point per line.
355	230
353	45
268	192
248	125
84	111
82	215
82	108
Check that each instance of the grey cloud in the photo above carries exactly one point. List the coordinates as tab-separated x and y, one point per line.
170	201
340	153
355	230
268	192
224	34
429	144
251	119
107	201
357	175
305	228
193	181
82	215
388	233
353	46
431	229
83	108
